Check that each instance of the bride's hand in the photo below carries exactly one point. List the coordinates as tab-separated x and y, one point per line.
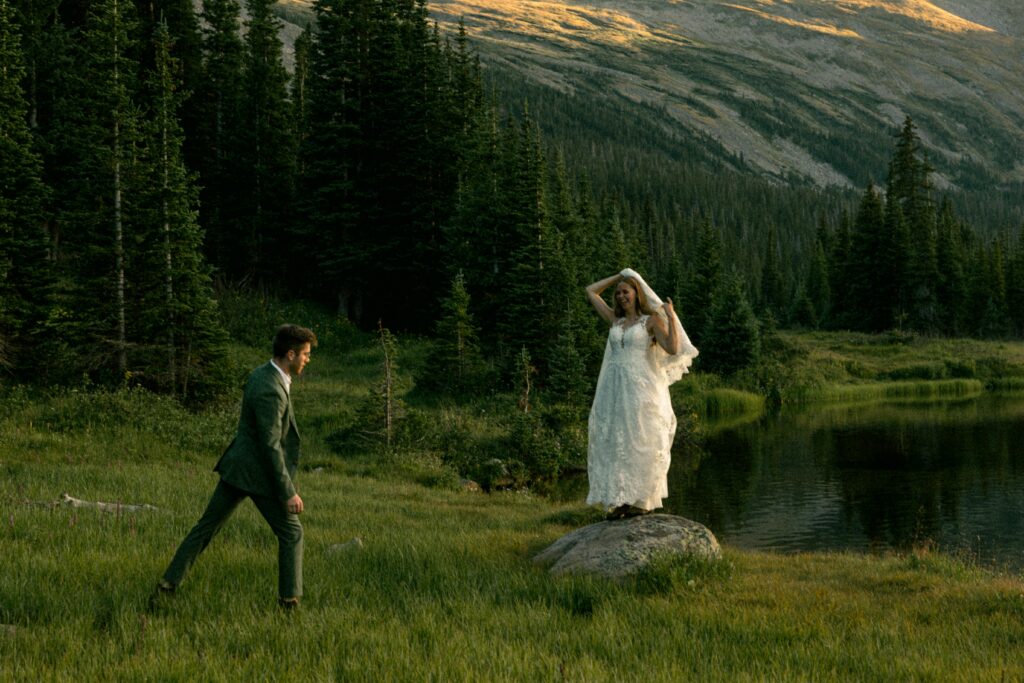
668	308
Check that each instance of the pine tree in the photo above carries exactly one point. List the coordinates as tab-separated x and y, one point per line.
569	378
698	297
99	132
474	238
892	263
995	320
414	158
906	171
802	313
564	215
175	311
579	340
909	190
818	289
588	244
376	185
468	102
840	273
219	103
872	277
951	282
772	287
527	292
300	90
186	47
568	320
1015	285
614	251
455	365
378	417
467	120
45	47
732	341
267	148
331	153
25	276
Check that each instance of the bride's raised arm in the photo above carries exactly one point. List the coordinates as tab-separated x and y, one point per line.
594	297
665	331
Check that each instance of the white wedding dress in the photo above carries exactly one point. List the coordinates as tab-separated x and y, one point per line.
631	424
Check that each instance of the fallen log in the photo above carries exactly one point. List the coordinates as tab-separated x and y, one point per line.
70	501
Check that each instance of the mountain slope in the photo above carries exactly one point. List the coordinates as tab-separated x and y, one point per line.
798	88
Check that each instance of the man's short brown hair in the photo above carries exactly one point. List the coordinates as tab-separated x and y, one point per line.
292	338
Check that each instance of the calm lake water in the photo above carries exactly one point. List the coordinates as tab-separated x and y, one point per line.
868	478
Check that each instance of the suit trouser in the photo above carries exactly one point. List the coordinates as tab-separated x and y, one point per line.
222	503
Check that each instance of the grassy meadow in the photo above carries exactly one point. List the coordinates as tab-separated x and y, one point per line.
442	586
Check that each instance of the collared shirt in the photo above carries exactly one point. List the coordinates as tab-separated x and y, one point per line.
285	376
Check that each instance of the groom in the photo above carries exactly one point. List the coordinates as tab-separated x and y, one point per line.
260	464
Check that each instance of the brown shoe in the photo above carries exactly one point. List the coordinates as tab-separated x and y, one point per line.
617	513
288	604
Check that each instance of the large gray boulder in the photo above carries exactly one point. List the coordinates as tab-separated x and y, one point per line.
616	549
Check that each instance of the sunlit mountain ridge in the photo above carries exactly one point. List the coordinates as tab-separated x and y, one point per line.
806	90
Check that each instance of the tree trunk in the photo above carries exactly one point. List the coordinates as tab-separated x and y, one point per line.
122	357
168	260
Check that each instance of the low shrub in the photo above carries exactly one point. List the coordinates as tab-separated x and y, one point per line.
992	367
858	370
546	441
252	317
961	369
928	371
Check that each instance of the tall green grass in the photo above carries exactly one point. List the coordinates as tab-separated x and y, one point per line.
443	587
1006	385
888	391
836	357
723	403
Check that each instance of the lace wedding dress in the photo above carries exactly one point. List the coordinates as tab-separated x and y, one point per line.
631	424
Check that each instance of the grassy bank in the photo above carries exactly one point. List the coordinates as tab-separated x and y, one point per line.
829	361
442	588
849	367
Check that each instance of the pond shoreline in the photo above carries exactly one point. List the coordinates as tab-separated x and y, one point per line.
890	475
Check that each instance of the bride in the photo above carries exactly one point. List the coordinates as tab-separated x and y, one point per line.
631	424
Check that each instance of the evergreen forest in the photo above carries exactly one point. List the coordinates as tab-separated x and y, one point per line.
155	156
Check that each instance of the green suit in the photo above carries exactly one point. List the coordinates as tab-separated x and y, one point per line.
260	463
264	455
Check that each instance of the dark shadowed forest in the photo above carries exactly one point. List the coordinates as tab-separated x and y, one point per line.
155	157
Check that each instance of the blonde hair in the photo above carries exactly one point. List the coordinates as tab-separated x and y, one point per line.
641	300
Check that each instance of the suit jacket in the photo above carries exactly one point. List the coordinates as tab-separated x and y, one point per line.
264	455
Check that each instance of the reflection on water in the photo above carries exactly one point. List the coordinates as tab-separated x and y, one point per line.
864	478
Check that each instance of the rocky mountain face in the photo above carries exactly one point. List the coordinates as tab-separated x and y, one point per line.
805	87
807	90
